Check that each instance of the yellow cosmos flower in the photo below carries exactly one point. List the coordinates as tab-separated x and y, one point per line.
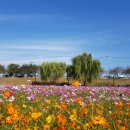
49	119
35	128
72	117
87	125
24	106
57	106
12	119
9	120
36	115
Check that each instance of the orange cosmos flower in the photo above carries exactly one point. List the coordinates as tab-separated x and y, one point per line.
7	94
84	111
11	109
61	119
122	128
75	84
118	122
48	101
63	106
128	105
74	112
1	116
113	115
97	120
61	128
46	127
120	105
100	112
79	100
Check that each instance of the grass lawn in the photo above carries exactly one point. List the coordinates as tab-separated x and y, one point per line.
98	82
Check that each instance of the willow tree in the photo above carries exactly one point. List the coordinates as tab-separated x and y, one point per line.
52	71
85	68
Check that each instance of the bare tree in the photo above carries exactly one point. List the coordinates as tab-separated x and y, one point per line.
116	71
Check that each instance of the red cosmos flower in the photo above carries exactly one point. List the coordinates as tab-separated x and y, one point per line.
7	94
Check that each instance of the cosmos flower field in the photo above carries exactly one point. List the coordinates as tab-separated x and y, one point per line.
51	107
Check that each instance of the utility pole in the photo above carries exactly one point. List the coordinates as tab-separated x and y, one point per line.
107	65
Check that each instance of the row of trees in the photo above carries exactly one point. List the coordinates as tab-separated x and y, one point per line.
84	69
117	71
15	69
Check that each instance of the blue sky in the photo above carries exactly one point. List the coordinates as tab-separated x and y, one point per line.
57	30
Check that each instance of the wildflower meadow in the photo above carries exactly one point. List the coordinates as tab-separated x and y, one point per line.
73	107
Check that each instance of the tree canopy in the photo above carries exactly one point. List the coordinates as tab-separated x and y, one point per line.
52	71
116	71
85	68
13	68
2	69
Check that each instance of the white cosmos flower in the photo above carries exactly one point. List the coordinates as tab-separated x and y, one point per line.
12	98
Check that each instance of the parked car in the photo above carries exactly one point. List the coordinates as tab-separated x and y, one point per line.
19	75
6	75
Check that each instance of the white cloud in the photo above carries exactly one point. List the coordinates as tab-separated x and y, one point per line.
41	47
26	17
25	51
48	45
14	17
67	60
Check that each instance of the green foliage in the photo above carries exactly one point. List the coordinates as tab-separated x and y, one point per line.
51	72
2	69
85	68
24	69
29	69
13	68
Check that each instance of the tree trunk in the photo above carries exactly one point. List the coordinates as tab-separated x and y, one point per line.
85	81
68	79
